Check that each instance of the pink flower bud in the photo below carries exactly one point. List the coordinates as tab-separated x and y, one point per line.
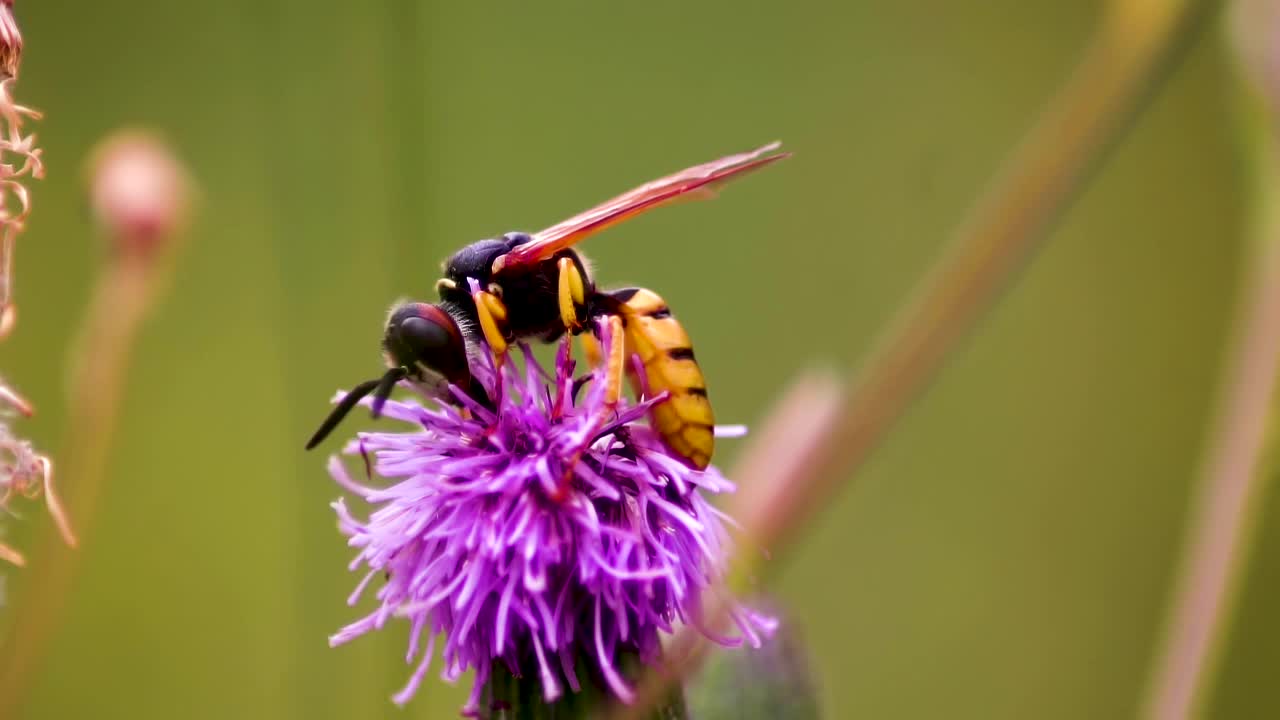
139	192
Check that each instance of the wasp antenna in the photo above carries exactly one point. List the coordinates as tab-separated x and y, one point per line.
385	385
341	411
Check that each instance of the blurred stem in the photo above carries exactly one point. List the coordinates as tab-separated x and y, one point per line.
1135	48
1221	524
100	363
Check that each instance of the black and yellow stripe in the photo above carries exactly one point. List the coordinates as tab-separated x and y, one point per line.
685	420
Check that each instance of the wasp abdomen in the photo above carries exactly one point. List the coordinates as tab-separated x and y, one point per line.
685	420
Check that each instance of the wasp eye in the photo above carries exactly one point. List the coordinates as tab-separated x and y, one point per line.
423	336
420	335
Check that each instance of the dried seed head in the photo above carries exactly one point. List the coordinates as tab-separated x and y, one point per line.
23	471
10	41
28	474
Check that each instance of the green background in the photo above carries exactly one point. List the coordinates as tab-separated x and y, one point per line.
1005	555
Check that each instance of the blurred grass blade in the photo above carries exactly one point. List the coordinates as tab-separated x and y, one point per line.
1221	525
1136	47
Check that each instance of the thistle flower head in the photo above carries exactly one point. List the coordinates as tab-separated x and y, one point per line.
546	530
10	41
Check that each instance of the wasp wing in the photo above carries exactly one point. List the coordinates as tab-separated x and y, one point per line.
695	183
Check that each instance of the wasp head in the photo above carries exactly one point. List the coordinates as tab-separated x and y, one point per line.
422	344
426	342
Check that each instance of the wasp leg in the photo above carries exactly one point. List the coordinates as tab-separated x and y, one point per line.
492	313
614	361
591	349
572	293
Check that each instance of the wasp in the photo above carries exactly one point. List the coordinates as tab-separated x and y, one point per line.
524	286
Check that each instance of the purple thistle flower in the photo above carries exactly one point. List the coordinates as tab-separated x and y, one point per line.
532	535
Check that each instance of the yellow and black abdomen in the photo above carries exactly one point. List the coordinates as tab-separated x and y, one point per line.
685	420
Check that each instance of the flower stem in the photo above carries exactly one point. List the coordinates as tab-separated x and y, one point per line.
508	697
113	320
141	251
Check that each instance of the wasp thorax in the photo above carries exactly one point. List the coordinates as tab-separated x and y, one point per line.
474	261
